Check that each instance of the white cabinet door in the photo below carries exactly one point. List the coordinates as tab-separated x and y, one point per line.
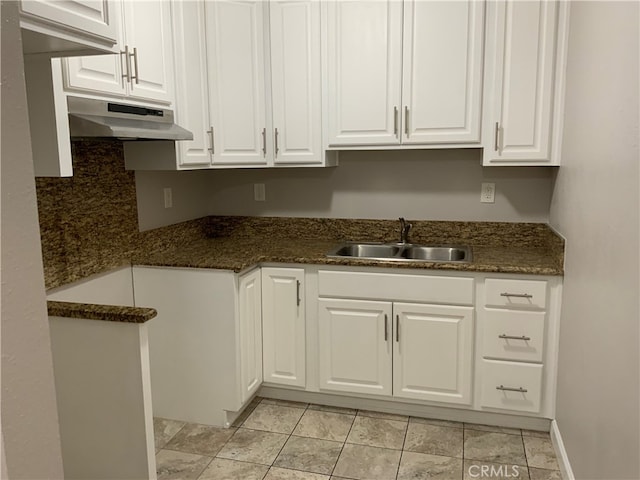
521	40
192	95
148	31
145	72
355	346
99	73
364	64
442	71
433	352
296	81
89	18
250	323
283	326
235	50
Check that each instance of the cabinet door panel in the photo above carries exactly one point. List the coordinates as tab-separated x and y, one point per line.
283	326
235	49
295	77
433	352
442	75
250	322
520	75
148	29
353	352
90	17
364	62
95	74
192	96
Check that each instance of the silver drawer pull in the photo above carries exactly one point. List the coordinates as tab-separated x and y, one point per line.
511	389
298	293
518	295
386	327
514	337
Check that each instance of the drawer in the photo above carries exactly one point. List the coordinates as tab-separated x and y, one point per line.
403	288
524	294
511	385
513	335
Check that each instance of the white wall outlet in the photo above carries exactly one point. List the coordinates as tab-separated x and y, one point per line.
168	197
259	192
488	193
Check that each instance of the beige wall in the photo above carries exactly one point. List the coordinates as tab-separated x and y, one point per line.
418	184
190	190
595	205
30	433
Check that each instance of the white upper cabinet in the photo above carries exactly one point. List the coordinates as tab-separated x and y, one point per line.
144	68
192	87
236	67
403	72
296	84
442	74
364	62
68	28
523	81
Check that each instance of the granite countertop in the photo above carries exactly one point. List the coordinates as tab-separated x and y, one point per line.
90	311
242	253
239	243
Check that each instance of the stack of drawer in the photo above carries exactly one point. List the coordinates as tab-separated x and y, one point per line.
513	337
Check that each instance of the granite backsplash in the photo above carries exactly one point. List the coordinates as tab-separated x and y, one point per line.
89	223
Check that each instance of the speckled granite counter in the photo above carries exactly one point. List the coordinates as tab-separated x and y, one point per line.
237	243
110	313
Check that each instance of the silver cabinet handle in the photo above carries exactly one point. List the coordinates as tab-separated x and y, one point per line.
497	133
511	389
264	142
135	65
211	138
386	327
518	295
298	292
395	121
513	337
126	67
276	143
397	328
406	121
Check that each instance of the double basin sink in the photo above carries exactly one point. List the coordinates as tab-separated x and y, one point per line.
402	252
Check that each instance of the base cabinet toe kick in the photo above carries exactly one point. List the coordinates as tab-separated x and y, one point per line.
466	346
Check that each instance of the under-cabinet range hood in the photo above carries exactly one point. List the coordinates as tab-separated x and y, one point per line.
99	118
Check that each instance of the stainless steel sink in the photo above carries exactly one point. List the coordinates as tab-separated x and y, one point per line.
402	252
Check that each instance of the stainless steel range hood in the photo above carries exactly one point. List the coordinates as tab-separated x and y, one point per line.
98	118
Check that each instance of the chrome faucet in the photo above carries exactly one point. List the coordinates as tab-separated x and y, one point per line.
404	230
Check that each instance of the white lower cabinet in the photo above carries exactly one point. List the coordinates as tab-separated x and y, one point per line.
433	352
204	344
354	346
283	322
250	326
401	349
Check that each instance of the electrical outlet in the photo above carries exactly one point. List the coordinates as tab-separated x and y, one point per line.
488	193
168	197
259	192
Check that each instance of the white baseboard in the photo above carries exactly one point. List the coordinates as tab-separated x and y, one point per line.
561	453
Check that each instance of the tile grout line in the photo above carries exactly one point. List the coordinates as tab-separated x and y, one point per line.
464	429
344	443
288	438
404	441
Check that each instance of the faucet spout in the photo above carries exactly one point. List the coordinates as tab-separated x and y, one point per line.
404	230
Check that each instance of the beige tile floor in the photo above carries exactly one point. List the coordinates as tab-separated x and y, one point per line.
277	440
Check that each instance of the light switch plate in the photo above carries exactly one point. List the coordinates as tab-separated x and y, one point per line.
259	192
488	193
